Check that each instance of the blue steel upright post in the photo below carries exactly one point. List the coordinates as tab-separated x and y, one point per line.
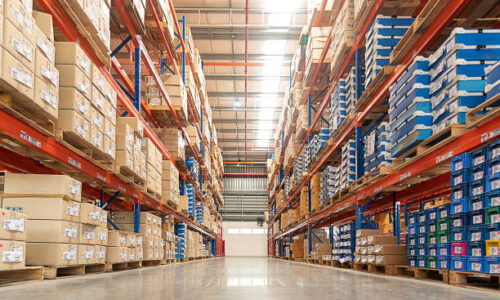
309	228
396	217
137	104
360	170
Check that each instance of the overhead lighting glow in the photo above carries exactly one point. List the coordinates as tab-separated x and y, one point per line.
237	102
282	5
274	47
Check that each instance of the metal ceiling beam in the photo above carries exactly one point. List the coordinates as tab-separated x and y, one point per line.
240	57
251	11
236	130
242	94
238	149
242	77
265	36
230	121
230	108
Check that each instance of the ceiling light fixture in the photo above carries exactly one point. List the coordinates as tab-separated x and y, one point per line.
237	102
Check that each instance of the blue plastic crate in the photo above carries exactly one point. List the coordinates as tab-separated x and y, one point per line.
422	250
493	151
477	203
412	250
478	187
458	192
422	262
421	217
475	217
443	262
444	249
431	226
443	211
476	264
432	214
492	264
458	263
412	261
476	248
462	161
477	233
458	220
492	184
412	240
479	171
493	169
461	176
459	234
459	206
432	250
422	227
479	156
492	199
443	224
421	239
493	232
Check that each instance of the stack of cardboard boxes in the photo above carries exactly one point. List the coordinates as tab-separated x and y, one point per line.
117	251
129	156
168	236
174	142
170	183
297	248
153	166
12	239
93	235
372	247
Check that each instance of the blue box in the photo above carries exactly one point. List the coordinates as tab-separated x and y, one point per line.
477	233
443	211
479	156
493	232
421	239
477	203
459	234
492	199
422	262
412	261
492	264
458	220
493	151
443	262
461	176
444	249
412	251
458	192
478	187
476	264
479	171
462	161
422	250
476	249
475	217
432	226
412	240
432	214
421	217
458	263
459	206
432	250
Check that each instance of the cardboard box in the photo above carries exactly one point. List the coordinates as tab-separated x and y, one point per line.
127	217
100	254
124	159
381	240
109	130
96	137
46	97
18	45
134	123
44	45
116	255
44	208
18	78
390	250
44	23
71	99
98	100
88	234
110	113
148	241
86	254
144	229
139	253
90	214
52	231
384	260
72	122
117	238
101	235
19	15
72	76
148	254
13	255
45	70
131	254
109	147
70	53
13	225
99	80
131	237
50	254
368	232
36	184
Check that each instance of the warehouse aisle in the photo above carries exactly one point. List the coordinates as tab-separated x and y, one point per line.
239	278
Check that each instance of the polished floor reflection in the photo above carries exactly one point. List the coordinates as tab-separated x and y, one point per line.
240	278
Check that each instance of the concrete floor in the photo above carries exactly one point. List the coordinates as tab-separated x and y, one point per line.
240	278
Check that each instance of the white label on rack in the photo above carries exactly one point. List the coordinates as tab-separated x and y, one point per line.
71	232
14	255
20	75
477	252
75	188
46	48
494	251
89	254
477	205
83	62
459	165
444	264
421	263
412	252
51	74
475	236
458	236
458	250
457	222
412	231
495	152
495	268
495	169
478	219
457	180
495	201
14	224
495	219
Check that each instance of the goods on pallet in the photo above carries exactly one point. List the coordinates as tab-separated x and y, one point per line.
342	35
344	243
174	142
154	166
130	160
353	88
170	183
337	106
180	243
492	88
348	164
383	35
410	108
168	235
297	248
191	199
13	239
315	44
457	71
377	148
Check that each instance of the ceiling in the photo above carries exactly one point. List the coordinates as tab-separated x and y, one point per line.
218	30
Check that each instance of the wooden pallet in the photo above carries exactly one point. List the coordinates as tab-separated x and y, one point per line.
479	114
488	282
28	112
165	117
389	8
54	272
20	276
117	25
371	177
344	265
429	274
151	263
123	266
129	176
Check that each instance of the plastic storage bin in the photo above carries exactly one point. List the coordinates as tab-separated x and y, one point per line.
422	261
476	248
412	251
432	214
459	234
432	262
432	226
412	240
413	219
443	224
477	233
421	239
492	215
477	188
443	262
458	220
493	232
479	156
444	249
462	161
476	264
492	248
432	238
422	250
459	206
443	211
458	248
477	203
412	261
458	263
492	199
432	250
460	177
492	265
413	229
422	217
459	192
443	237
475	217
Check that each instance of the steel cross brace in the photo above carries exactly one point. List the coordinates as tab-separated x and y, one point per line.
115	195
122	44
113	224
360	210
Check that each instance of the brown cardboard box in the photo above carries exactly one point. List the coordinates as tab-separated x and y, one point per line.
44	45
13	224
99	80
96	118
19	45
390	250
131	237
45	208
144	229
368	232
109	129
88	234
96	137
90	214
139	253
45	70
127	217
49	254
19	15
35	184
18	77
86	254
116	255
52	231
381	240
100	254
117	238
138	240
125	142
69	53
110	113
182	203
44	23
384	260
13	255
72	76
98	99
109	147
102	236
74	123
124	159
46	97
134	123
71	99
131	254
148	254
148	241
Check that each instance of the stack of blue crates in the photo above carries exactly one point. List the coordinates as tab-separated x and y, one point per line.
287	185
193	167
180	244
493	82
383	35
307	157
348	164
410	114
298	168
337	106
377	146
344	242
191	199
457	72
350	88
199	212
317	142
328	184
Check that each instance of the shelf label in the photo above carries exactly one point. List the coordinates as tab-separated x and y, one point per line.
121	188
489	135
100	177
74	163
405	175
444	157
30	139
377	189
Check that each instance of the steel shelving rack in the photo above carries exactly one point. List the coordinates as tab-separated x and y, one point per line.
39	150
369	199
